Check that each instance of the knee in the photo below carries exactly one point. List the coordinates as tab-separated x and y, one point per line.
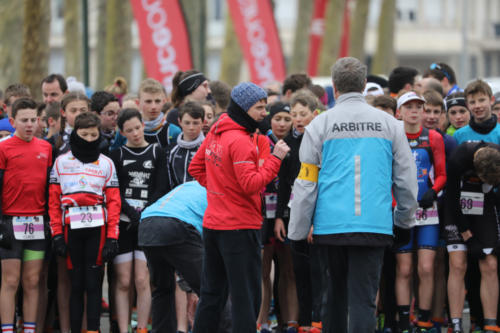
31	281
123	282
403	270
458	267
489	266
426	270
10	281
142	282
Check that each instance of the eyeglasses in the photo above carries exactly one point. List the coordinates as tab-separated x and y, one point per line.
434	66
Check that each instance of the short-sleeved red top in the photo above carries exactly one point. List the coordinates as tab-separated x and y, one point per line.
25	166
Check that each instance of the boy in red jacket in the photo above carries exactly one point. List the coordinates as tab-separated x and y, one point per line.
227	164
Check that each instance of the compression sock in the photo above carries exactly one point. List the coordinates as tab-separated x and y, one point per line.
404	317
490	324
424	315
456	324
7	328
29	327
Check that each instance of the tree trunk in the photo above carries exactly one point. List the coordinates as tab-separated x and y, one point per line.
35	54
101	40
358	29
118	40
300	53
195	12
231	56
12	41
331	39
73	46
384	58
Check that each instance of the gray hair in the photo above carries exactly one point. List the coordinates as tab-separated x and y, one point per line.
349	75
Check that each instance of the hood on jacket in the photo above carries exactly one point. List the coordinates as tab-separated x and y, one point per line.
224	124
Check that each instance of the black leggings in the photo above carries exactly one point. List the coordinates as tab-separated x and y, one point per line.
86	273
310	278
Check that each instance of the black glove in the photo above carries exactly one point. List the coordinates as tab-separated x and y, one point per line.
401	237
474	248
59	245
428	199
5	237
110	249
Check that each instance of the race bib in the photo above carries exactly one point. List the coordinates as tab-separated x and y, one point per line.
138	205
472	203
271	200
28	227
427	216
85	217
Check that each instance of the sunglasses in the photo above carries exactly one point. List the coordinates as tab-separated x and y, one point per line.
434	66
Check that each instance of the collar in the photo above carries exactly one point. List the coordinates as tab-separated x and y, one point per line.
350	96
190	144
486	126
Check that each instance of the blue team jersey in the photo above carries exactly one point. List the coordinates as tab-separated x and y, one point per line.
466	134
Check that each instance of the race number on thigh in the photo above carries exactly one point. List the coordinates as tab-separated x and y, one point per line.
427	216
472	203
85	217
28	227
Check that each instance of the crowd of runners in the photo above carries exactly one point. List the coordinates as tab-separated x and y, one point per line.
103	181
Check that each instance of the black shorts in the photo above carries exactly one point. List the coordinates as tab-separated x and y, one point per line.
25	250
127	239
485	227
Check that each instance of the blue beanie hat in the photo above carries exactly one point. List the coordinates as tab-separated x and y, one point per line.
6	126
246	94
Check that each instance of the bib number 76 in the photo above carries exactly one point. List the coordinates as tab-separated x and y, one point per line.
28	228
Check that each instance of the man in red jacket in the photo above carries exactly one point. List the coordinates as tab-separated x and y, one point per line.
227	164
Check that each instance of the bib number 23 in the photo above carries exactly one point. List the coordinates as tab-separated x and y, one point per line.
85	217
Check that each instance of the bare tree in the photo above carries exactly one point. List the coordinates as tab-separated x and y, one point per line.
300	52
118	40
12	41
331	39
35	54
358	29
101	40
195	12
384	58
231	56
73	45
